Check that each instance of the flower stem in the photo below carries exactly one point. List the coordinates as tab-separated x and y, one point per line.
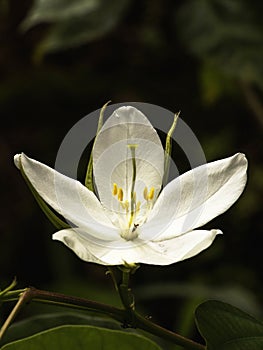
148	326
138	321
33	294
127	316
21	301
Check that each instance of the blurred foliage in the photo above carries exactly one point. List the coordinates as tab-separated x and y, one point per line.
73	23
228	33
60	60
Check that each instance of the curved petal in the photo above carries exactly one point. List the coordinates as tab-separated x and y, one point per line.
125	135
196	197
187	245
67	196
74	241
110	253
137	251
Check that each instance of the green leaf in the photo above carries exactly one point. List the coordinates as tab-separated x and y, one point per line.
50	11
228	33
231	294
73	23
225	327
214	83
82	337
39	323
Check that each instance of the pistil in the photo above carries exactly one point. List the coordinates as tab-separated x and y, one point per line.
131	206
132	148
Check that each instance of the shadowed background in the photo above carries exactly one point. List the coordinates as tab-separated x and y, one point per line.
61	60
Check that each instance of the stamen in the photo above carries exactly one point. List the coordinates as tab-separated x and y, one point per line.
145	193
125	205
151	194
114	189
148	195
120	194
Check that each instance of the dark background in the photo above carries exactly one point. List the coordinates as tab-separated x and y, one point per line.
203	58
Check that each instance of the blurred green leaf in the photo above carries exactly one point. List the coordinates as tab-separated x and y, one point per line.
82	337
49	11
227	328
228	33
36	324
237	295
73	23
214	83
4	7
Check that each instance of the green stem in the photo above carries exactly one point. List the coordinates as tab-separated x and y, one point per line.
21	301
127	297
128	317
137	321
148	326
42	296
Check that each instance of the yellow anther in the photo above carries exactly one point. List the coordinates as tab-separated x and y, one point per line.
151	194
145	193
138	207
125	205
134	196
120	194
114	189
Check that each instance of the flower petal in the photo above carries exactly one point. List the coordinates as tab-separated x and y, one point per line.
187	245
113	159
67	196
74	241
196	197
137	251
112	253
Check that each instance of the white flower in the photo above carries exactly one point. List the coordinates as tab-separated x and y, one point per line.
134	220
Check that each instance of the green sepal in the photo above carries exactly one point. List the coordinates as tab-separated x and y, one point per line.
89	173
129	267
168	148
53	218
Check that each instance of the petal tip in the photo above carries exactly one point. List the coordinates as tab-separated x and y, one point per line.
17	160
128	113
241	157
215	232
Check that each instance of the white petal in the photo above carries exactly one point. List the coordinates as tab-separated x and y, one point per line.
74	241
112	157
120	251
187	245
196	197
109	253
67	196
105	253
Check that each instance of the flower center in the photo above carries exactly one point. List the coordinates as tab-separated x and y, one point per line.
134	215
